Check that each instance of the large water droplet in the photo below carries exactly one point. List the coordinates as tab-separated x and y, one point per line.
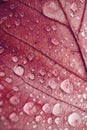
13	117
52	83
54	41
14	100
57	109
2	74
46	108
1	49
29	108
67	86
19	70
15	59
74	119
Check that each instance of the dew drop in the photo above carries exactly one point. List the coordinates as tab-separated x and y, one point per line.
21	14
52	83
57	109
31	76
29	108
13	117
38	118
73	7
14	100
54	27
31	56
46	108
2	74
19	70
1	87
49	120
67	86
57	121
15	88
15	59
1	49
74	119
54	41
42	72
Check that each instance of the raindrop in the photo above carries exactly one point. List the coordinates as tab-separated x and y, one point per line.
31	56
19	70
13	117
29	108
14	100
1	49
67	86
38	118
17	22
74	119
31	76
52	83
73	7
2	74
57	109
1	87
46	108
15	59
54	41
9	80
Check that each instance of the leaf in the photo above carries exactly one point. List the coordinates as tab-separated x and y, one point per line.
43	64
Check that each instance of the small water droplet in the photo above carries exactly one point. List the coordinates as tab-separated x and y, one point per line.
17	22
31	76
73	7
29	108
67	86
12	6
25	61
54	41
19	70
21	14
15	59
57	109
14	100
85	96
49	120
1	87
42	72
15	88
48	29
9	80
1	50
57	121
74	119
31	56
38	118
52	83
46	108
13	117
54	27
2	74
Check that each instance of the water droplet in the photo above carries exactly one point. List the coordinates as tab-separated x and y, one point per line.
1	49
74	119
57	109
14	100
85	96
9	80
2	74
19	70
42	72
1	103
49	120
48	29
55	41
73	7
15	88
67	86
1	87
54	27
57	121
31	76
15	59
17	22
12	6
52	83
31	56
21	14
46	108
29	108
25	61
13	117
38	118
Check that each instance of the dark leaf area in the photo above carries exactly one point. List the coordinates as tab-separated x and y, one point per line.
43	65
